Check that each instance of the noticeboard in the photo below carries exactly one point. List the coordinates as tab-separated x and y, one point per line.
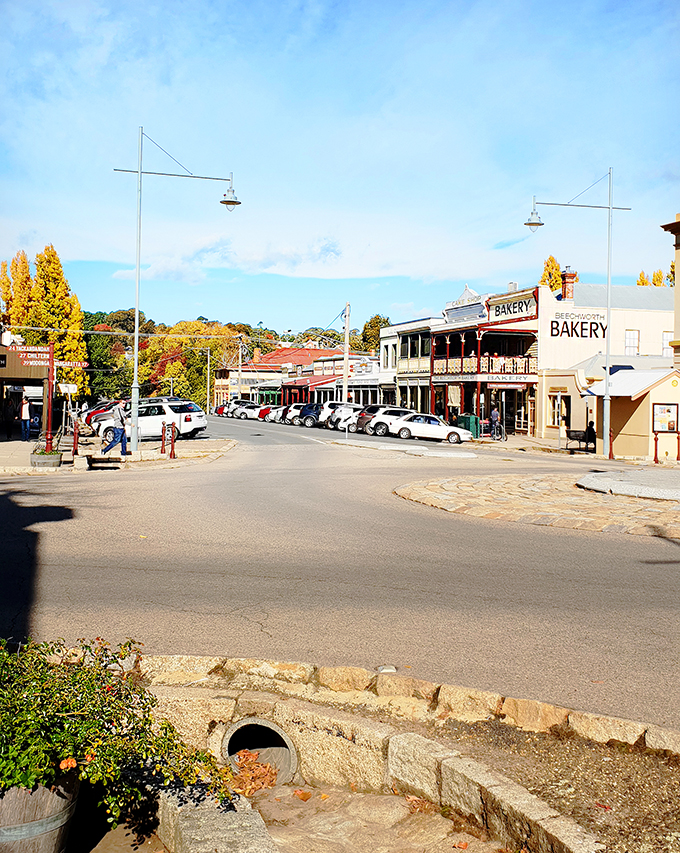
665	417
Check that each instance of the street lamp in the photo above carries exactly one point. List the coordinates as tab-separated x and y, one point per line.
229	200
534	222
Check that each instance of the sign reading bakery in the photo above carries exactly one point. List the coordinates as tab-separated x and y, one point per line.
513	307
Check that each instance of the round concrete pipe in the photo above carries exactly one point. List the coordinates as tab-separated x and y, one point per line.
267	739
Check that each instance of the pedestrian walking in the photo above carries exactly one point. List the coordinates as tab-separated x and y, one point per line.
119	421
8	416
26	415
494	421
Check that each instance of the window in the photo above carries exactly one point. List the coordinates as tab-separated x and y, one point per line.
394	356
385	357
632	342
413	346
403	353
425	343
553	410
666	348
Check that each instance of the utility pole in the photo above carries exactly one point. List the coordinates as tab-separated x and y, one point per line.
240	359
345	361
207	387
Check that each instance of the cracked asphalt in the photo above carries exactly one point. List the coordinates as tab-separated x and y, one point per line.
292	548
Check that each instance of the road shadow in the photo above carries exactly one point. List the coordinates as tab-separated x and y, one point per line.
18	559
659	532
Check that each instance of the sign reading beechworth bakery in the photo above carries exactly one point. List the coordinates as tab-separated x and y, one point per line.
518	306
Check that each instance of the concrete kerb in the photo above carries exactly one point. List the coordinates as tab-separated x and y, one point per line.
326	712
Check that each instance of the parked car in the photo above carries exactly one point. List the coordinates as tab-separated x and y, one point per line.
264	411
366	416
309	415
327	410
428	426
234	404
381	422
188	419
98	409
292	416
275	414
246	410
345	412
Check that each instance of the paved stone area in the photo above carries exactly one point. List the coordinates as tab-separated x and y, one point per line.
550	501
660	483
336	821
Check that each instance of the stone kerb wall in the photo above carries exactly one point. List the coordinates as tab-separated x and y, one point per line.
329	714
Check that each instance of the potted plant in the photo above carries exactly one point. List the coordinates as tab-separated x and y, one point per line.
41	458
82	714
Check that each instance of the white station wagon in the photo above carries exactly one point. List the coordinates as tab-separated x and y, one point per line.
188	418
428	426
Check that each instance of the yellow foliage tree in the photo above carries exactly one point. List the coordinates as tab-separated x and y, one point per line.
643	280
657	278
5	293
22	285
552	275
670	278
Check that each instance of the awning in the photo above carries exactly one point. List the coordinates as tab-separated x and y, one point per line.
309	382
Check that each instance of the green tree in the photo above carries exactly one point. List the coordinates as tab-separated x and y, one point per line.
643	280
370	336
552	275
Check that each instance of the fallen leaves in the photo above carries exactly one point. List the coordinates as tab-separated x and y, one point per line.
602	806
302	795
461	845
252	776
418	805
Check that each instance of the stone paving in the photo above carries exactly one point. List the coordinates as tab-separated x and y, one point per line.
549	501
336	821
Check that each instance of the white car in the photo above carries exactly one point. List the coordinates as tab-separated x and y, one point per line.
234	404
188	418
292	416
274	415
246	410
381	422
345	415
428	426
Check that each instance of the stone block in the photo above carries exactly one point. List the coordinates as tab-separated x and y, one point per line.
414	765
345	678
666	739
214	740
466	704
390	684
336	748
602	729
512	814
563	835
193	711
533	716
177	669
279	670
464	784
254	703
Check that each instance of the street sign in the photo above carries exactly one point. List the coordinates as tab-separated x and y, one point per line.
32	362
68	388
70	363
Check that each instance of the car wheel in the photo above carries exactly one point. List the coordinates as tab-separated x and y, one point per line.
267	418
368	429
296	421
404	433
352	428
107	435
380	429
243	416
453	438
309	421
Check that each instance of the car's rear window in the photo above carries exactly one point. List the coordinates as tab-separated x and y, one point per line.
179	408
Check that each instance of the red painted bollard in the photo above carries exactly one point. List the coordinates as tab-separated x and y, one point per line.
163	438
172	444
656	448
75	437
611	443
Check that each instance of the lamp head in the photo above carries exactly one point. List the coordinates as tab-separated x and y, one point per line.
534	221
230	200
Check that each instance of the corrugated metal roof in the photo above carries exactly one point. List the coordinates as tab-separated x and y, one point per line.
631	383
593	367
624	296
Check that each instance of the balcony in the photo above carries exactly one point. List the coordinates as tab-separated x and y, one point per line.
513	364
414	365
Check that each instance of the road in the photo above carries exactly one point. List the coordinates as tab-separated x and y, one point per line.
293	548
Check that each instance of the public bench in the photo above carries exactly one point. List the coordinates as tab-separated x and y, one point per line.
578	435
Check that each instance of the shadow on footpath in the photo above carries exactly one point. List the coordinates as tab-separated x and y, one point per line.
18	560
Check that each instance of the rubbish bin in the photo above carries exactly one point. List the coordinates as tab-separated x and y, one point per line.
469	422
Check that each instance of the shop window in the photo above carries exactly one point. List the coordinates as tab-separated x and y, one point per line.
632	341
554	401
666	348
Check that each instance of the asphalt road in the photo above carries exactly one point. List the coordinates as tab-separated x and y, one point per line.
292	548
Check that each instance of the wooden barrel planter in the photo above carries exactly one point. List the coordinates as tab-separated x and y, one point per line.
45	460
38	821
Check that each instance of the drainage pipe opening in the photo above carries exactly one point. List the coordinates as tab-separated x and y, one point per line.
267	739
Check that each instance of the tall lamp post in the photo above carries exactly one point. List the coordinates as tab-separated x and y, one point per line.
229	200
533	223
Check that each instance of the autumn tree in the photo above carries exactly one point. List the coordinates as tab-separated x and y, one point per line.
657	278
16	290
643	280
370	335
670	278
552	275
5	293
55	308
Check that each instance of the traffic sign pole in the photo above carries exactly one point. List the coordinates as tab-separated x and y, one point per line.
50	374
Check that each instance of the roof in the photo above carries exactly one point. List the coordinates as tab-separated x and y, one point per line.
632	383
295	355
593	367
310	381
624	296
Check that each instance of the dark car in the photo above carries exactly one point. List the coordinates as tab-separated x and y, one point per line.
309	416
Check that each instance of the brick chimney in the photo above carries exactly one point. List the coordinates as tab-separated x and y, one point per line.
568	279
257	354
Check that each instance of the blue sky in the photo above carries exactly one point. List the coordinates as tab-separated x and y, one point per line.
385	152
